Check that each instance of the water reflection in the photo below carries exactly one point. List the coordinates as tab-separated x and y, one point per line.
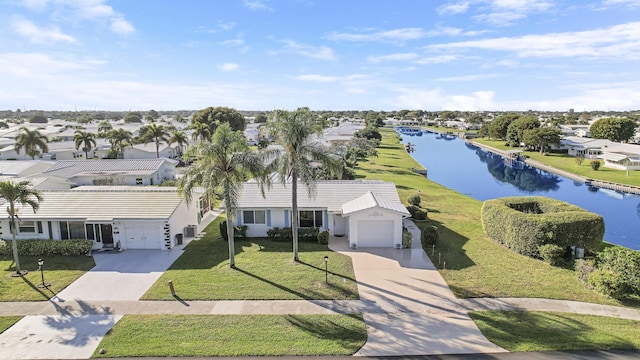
519	174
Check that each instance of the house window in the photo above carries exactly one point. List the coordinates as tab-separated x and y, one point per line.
310	218
205	205
27	227
254	217
139	181
72	230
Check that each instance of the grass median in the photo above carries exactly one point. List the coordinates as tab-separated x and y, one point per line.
472	264
265	270
59	271
547	331
7	322
234	335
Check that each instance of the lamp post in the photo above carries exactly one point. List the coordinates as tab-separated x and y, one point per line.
43	285
326	269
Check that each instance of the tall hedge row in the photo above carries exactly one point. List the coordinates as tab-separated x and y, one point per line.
525	223
38	247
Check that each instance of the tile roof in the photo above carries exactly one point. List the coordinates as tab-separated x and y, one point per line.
371	200
71	168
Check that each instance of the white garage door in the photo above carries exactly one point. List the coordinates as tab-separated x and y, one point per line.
375	234
141	235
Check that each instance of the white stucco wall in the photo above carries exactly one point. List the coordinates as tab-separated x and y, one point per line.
374	215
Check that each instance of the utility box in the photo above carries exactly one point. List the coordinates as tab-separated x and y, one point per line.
190	231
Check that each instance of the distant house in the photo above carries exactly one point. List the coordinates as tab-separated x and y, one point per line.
114	171
148	151
585	147
368	213
113	217
615	155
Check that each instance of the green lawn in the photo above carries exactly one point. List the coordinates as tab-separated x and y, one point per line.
568	163
234	335
475	265
8	321
265	271
59	271
540	331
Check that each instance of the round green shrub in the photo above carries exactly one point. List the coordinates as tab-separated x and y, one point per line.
430	236
412	210
525	223
420	215
595	164
414	199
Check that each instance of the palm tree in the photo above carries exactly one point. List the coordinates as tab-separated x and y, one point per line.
201	130
221	169
32	141
293	131
179	138
85	139
104	127
119	138
157	134
18	193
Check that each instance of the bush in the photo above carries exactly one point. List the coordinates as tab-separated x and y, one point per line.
420	215
523	224
579	159
617	272
430	236
552	254
414	199
323	237
595	164
584	268
39	247
407	238
284	234
412	210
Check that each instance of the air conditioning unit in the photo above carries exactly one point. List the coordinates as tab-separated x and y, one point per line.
190	231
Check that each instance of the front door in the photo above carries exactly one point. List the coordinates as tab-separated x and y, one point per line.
100	233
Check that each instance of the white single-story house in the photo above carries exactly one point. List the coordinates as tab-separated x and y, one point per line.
148	151
615	155
368	213
114	171
586	147
124	217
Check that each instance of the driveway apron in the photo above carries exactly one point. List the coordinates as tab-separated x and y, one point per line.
75	334
415	311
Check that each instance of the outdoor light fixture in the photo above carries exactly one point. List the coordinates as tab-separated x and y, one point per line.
326	269
43	285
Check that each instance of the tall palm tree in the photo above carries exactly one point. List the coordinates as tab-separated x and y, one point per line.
157	134
119	138
201	131
221	169
32	141
18	193
85	139
104	127
293	131
180	138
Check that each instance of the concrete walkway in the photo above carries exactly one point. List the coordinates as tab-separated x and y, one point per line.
407	307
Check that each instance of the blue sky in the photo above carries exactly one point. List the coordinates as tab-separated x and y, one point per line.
324	54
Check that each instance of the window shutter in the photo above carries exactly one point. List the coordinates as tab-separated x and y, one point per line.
268	217
287	221
239	220
325	223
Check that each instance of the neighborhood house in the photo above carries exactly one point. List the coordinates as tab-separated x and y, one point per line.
367	213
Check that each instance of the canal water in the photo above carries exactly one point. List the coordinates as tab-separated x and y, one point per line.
483	175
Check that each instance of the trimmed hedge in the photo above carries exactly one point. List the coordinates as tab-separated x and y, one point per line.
39	247
525	223
284	234
430	236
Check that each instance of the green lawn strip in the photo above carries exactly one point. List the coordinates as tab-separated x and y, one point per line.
234	335
472	264
59	271
265	271
568	163
548	331
7	322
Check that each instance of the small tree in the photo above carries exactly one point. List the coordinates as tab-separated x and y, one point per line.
414	199
579	159
595	164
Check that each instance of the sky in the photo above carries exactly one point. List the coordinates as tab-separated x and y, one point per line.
469	55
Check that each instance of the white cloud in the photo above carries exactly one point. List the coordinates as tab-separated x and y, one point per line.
257	5
39	35
35	4
403	34
121	26
437	59
391	57
462	78
412	98
631	3
317	78
454	8
618	42
310	51
228	67
497	12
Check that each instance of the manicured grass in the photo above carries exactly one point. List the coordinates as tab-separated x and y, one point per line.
472	264
8	321
568	163
234	335
265	271
541	331
59	271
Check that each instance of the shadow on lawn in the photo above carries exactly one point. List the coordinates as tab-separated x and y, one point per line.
327	329
449	249
42	291
276	285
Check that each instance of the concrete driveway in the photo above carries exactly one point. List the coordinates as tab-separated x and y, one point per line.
419	315
126	275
